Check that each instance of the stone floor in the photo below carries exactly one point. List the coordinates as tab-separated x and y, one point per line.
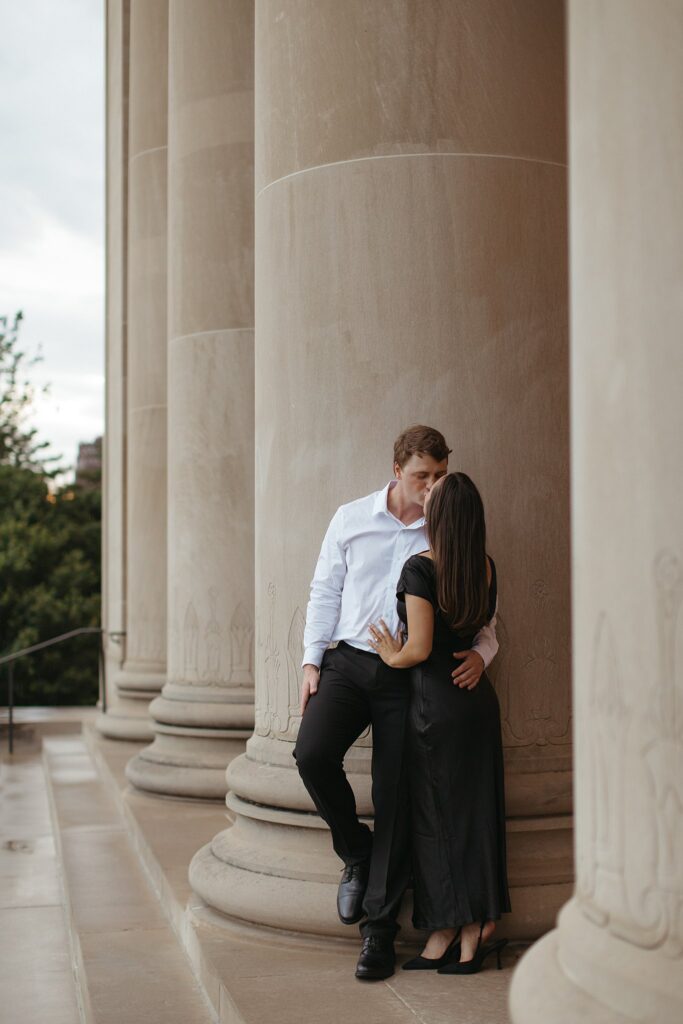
36	976
95	906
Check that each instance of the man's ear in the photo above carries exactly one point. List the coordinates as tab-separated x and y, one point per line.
398	472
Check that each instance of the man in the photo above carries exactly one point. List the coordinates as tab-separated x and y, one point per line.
347	688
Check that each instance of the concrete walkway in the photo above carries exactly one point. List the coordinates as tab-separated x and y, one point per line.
36	977
127	939
130	965
253	976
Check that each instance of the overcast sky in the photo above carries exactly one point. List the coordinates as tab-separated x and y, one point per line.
52	204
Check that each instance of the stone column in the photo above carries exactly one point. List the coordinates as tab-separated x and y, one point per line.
205	712
617	954
410	267
123	719
144	669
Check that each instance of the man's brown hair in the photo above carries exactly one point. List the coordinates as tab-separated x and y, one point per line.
419	440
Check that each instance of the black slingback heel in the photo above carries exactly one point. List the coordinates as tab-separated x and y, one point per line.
423	963
474	965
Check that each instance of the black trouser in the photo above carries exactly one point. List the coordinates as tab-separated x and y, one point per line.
356	690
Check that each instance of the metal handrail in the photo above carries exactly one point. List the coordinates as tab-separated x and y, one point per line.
9	659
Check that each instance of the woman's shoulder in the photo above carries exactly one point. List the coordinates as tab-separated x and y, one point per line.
417	577
420	563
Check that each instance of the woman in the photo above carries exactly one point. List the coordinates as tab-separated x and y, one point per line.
445	595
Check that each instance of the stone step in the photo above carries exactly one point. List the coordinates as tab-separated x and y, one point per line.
129	964
255	975
37	982
31	724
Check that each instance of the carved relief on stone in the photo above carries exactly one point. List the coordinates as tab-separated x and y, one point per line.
534	700
663	753
212	642
241	646
295	646
540	592
668	576
191	644
147	642
282	713
629	868
602	873
268	672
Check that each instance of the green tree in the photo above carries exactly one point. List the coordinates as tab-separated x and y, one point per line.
49	551
19	444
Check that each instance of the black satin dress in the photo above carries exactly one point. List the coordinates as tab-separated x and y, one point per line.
456	776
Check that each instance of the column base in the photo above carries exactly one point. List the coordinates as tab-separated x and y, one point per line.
276	868
270	899
127	717
186	762
139	683
581	971
117	725
198	731
205	707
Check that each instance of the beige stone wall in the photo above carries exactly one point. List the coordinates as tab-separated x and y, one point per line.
125	717
618	951
205	712
211	342
411	266
146	456
114	448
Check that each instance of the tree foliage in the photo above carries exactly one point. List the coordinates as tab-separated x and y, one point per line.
19	444
49	552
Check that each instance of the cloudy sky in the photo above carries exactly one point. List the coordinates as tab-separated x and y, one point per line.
52	205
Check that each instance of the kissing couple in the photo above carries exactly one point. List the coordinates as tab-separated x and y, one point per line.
400	628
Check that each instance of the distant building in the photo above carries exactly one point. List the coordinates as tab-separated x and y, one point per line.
89	463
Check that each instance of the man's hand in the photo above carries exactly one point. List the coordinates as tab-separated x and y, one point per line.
469	673
309	686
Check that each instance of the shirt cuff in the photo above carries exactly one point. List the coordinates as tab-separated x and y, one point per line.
484	649
313	656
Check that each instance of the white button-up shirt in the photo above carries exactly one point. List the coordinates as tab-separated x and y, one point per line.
360	561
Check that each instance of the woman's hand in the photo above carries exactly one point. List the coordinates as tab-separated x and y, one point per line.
383	643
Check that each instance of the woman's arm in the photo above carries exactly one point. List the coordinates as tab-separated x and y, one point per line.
418	647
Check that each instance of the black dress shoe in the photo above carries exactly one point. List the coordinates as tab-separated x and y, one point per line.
351	892
377	959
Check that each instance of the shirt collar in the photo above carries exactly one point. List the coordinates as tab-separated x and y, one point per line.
380	506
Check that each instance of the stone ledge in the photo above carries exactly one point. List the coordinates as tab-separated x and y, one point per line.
252	974
31	724
126	960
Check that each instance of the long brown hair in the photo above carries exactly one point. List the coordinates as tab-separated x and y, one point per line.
457	535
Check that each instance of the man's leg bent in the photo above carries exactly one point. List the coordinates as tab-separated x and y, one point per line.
334	718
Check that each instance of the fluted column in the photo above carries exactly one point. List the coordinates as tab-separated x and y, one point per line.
410	267
205	713
144	669
123	718
617	954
